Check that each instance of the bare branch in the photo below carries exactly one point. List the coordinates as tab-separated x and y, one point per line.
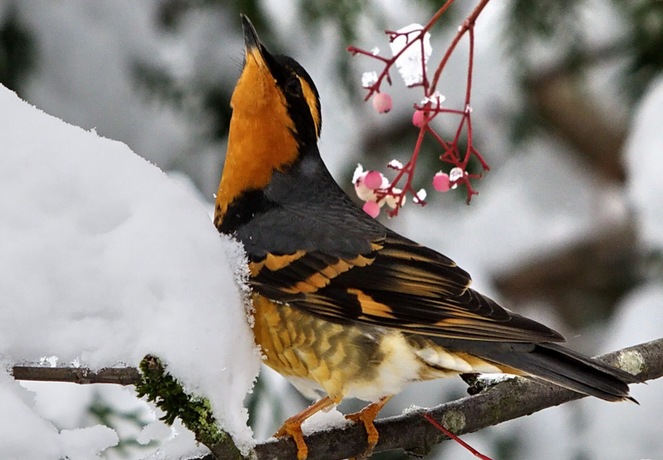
80	375
411	432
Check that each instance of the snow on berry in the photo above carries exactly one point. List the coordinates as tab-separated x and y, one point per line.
456	174
382	102
358	173
364	193
394	200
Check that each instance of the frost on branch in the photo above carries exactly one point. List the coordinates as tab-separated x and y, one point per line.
456	174
411	50
443	182
368	79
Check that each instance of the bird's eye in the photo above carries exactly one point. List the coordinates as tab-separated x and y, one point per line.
292	86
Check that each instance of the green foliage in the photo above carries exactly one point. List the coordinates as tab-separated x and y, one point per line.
167	393
544	19
17	52
644	42
561	23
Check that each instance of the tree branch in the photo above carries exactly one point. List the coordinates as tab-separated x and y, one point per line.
80	375
505	401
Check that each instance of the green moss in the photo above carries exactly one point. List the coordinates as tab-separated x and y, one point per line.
195	412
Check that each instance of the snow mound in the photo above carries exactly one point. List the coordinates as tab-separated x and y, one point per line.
104	260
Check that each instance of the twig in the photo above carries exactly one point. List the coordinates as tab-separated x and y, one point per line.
80	375
430	107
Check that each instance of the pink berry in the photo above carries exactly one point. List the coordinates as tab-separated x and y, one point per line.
418	118
382	102
373	180
441	182
371	208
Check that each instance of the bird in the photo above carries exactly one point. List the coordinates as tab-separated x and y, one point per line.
344	307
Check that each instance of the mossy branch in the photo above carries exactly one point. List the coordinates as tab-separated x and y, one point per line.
195	412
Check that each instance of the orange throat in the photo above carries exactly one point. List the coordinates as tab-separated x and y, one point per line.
261	138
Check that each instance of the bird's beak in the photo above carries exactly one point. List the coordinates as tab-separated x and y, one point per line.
254	51
251	40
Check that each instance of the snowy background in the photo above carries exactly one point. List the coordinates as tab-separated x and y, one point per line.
104	258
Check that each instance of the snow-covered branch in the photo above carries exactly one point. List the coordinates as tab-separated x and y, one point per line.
410	431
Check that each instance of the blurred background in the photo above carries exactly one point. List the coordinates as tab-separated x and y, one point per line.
567	109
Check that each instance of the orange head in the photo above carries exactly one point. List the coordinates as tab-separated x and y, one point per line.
276	115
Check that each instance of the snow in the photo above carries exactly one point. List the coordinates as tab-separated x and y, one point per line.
409	62
639	424
21	426
154	431
104	260
86	443
27	435
368	79
324	421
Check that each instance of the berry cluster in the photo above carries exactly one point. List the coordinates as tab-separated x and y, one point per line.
411	50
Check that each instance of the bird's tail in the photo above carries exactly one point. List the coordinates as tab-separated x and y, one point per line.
561	366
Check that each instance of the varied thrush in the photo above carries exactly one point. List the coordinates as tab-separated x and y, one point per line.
343	306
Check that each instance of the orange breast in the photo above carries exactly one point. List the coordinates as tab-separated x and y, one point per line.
351	360
300	345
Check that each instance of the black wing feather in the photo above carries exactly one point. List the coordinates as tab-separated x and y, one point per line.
403	285
330	259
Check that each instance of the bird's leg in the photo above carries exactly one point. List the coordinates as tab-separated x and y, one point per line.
293	426
367	417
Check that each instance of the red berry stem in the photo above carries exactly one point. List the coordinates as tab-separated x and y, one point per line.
432	106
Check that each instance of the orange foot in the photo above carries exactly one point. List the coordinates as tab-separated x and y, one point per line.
367	417
293	426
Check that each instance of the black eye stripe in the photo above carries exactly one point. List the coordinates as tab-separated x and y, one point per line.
293	86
